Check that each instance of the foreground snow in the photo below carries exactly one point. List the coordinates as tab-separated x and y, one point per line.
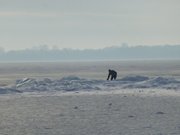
116	112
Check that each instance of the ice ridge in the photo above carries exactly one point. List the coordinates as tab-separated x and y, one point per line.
74	83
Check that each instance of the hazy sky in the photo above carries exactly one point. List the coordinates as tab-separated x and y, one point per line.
88	23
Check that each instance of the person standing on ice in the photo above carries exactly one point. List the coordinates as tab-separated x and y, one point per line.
112	75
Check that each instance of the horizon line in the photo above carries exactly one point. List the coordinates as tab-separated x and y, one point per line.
48	47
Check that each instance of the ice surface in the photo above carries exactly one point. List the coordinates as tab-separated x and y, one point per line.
9	90
74	83
70	83
135	78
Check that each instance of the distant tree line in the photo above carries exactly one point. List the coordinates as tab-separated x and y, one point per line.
109	53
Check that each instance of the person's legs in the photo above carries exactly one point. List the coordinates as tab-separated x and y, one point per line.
115	77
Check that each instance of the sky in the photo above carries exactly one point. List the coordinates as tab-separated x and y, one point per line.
82	24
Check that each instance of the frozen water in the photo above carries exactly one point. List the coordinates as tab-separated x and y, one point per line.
135	78
70	83
8	90
74	83
156	82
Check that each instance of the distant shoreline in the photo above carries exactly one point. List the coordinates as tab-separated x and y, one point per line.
108	53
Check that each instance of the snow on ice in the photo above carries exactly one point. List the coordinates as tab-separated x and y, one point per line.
74	83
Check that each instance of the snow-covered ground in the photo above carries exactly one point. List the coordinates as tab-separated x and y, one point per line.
117	112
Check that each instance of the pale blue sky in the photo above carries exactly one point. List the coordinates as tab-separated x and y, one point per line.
88	23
